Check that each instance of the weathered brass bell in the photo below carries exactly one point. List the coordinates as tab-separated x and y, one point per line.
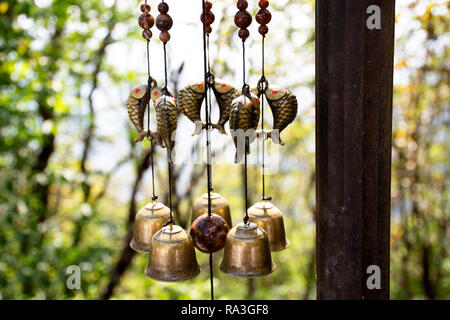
269	217
147	222
247	252
219	205
172	255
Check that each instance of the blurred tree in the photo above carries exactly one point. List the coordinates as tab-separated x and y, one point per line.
59	206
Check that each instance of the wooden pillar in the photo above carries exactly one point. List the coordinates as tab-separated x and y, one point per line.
354	80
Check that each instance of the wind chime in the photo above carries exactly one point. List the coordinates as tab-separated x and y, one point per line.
248	245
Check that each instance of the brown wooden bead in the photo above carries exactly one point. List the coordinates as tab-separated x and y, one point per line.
164	36
209	233
150	20
147	34
145	7
208	5
208	29
243	33
263	29
163	7
242	4
263	16
143	23
263	4
209	18
242	19
164	22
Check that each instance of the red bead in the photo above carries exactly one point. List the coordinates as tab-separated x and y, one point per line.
147	34
208	5
242	19
209	233
163	7
209	18
164	22
242	4
263	4
243	34
274	92
155	92
223	85
263	16
145	7
263	29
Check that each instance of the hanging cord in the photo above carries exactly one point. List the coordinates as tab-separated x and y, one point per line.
245	86
207	72
164	90
262	86
149	84
245	92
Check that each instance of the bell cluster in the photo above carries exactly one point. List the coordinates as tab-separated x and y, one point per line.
247	245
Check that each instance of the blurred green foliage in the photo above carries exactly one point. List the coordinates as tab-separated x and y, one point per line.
56	210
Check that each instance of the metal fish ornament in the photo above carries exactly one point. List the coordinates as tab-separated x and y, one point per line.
136	105
244	114
167	119
190	99
284	109
224	94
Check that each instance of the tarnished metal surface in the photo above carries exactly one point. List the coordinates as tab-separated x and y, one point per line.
247	252
172	255
148	221
354	72
219	205
167	120
269	217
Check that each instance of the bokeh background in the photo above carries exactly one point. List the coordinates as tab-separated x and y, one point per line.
71	179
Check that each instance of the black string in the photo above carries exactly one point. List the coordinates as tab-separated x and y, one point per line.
149	82
207	71
243	62
170	192
245	185
245	92
262	120
165	67
211	275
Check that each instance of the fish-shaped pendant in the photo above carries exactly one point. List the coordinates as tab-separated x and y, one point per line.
244	115
284	109
167	119
190	99
224	94
136	105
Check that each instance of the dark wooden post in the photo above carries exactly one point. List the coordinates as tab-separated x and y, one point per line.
354	79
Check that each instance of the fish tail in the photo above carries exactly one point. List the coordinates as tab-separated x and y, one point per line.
219	127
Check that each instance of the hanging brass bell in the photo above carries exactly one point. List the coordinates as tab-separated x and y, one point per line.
219	205
147	222
172	255
269	217
247	252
